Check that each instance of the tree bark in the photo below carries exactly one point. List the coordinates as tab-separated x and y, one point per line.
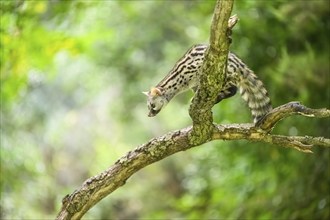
212	74
94	189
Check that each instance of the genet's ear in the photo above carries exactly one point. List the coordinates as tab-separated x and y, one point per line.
155	92
146	93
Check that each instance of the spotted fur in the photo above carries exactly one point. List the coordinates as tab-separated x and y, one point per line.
184	76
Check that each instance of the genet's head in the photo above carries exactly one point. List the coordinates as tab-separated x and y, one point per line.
156	101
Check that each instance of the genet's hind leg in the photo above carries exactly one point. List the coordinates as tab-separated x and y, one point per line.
226	93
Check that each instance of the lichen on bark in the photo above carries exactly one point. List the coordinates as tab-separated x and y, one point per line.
212	75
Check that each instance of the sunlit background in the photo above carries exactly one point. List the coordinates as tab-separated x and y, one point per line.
72	73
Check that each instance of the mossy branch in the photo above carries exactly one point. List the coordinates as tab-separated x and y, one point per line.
212	74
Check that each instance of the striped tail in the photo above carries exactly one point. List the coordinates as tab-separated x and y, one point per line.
254	94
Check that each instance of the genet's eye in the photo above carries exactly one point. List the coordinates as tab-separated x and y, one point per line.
152	106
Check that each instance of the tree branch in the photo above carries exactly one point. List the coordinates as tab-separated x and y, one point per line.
291	108
75	205
96	188
212	74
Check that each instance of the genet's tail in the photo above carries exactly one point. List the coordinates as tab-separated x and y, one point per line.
251	88
254	94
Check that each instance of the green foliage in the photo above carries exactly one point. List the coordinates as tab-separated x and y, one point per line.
72	73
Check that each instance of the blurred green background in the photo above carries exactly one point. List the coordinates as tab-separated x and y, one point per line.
72	73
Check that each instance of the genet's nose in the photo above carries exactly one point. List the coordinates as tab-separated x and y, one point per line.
152	112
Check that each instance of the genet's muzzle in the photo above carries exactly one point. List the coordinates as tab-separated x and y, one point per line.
152	112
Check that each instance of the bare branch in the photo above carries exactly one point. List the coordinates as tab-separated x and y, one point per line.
291	108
